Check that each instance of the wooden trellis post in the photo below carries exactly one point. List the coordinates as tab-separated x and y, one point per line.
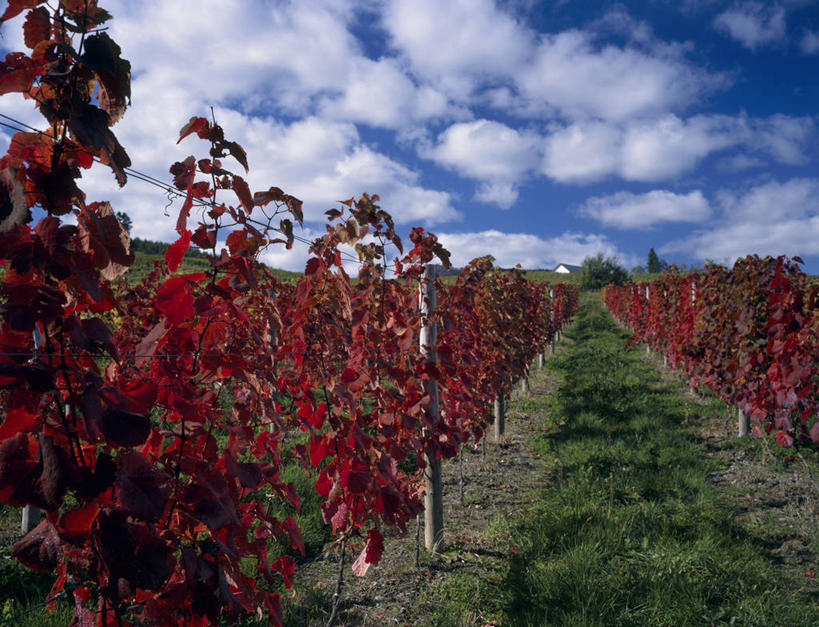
500	417
742	423
32	515
433	497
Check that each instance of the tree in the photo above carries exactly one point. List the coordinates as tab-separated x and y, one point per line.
653	265
638	270
596	272
125	221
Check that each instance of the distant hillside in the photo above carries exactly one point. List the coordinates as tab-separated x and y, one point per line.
146	252
538	276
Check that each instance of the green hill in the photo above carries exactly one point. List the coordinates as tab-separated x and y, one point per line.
146	252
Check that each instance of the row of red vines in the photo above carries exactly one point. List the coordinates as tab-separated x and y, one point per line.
151	422
749	333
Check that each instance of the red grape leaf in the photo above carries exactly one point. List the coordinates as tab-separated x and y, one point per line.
370	554
17	71
176	251
40	548
37	27
200	126
18	6
141	487
175	300
18	419
102	54
183	173
243	193
124	428
294	533
75	524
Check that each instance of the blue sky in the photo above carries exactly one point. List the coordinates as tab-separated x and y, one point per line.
538	132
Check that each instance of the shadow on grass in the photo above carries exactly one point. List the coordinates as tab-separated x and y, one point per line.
632	532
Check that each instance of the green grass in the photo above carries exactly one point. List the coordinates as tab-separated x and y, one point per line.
631	532
191	262
23	593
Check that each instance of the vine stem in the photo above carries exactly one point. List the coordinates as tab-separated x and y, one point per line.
461	473
418	541
339	584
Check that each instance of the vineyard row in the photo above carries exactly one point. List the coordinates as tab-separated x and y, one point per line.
749	333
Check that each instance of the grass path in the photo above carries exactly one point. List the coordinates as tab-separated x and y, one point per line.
629	529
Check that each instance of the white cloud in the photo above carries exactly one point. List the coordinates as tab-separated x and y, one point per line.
380	94
530	251
466	46
490	152
485	150
785	138
571	73
770	219
625	210
249	48
500	194
810	42
300	57
753	24
667	147
457	43
583	152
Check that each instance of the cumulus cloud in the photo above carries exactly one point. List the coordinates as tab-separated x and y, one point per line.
530	251
579	153
488	151
485	149
294	57
469	46
380	94
625	210
753	24
458	43
500	194
774	218
666	147
569	72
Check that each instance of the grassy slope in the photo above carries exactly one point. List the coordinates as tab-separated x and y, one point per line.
144	263
630	530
